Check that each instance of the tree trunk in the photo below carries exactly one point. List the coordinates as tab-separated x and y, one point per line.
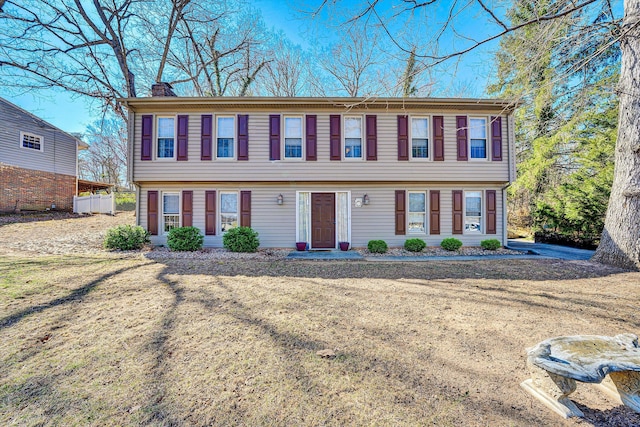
620	242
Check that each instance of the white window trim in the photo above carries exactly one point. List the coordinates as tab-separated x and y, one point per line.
219	214
235	136
283	138
176	193
483	224
156	128
22	135
429	139
426	212
486	140
362	138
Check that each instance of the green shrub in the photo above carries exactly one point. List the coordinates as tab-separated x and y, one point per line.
126	237
125	201
185	239
377	246
490	244
451	244
415	245
241	239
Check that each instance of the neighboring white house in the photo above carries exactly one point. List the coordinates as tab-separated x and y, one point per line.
38	162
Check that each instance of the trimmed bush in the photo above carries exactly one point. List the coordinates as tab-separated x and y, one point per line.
415	245
377	246
126	237
185	239
451	244
241	239
490	244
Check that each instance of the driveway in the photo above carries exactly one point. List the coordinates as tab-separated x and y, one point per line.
553	251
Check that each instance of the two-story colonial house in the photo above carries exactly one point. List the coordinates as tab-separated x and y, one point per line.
323	170
38	162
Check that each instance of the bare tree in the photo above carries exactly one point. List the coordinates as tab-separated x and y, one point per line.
352	62
106	158
286	74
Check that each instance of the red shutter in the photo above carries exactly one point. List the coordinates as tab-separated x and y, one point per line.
206	121
274	137
335	149
438	138
243	137
183	138
401	215
457	212
210	213
403	138
152	212
461	132
496	139
147	137
434	212
312	139
491	212
187	208
245	208
372	137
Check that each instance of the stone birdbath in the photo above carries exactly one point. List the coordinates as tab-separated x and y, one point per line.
613	363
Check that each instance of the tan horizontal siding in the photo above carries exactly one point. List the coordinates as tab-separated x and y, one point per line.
276	224
260	168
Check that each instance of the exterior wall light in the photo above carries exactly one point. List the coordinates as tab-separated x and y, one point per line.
280	199
365	199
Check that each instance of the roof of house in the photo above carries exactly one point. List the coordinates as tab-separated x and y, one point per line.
158	103
40	122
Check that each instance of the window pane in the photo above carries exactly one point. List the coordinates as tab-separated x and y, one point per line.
352	127
478	148
170	222
293	127
293	147
165	127
477	128
416	222
419	148
228	221
353	147
417	202
226	127
170	203
229	203
225	147
31	141
165	147
419	128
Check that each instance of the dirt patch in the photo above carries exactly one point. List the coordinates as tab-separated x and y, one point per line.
123	339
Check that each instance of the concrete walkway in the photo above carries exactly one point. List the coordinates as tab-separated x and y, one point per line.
552	251
533	251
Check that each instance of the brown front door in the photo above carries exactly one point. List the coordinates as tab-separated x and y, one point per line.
323	220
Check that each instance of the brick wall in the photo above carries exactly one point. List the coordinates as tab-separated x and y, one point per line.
27	189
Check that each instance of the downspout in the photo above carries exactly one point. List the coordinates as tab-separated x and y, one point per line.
510	153
130	159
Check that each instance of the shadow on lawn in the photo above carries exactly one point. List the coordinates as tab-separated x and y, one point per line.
406	388
76	295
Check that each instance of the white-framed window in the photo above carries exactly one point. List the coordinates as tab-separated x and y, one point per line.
417	212
293	137
228	210
473	212
353	137
166	138
420	137
225	137
478	137
31	141
170	211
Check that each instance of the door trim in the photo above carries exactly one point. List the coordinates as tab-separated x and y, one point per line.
323	190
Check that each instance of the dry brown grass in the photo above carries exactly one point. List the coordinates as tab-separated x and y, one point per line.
133	341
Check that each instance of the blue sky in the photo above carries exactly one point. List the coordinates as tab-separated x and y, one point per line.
73	114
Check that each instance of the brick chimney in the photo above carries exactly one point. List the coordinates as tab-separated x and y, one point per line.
162	89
